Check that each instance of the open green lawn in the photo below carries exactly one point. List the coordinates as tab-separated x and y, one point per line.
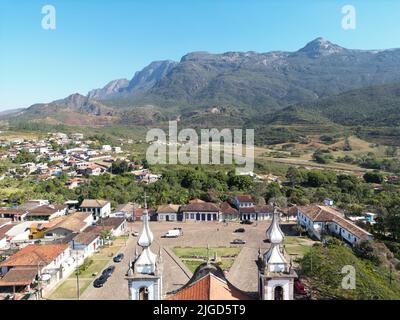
202	252
193	257
67	290
297	245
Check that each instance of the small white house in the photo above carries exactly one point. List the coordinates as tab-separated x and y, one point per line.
168	212
99	208
86	243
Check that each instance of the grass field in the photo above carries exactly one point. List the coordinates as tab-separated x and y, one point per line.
297	245
193	257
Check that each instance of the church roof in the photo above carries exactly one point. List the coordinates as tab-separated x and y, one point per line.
209	283
274	232
146	236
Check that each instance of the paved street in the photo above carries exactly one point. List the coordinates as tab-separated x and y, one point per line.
243	273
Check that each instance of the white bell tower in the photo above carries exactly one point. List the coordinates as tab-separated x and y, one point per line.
145	272
276	276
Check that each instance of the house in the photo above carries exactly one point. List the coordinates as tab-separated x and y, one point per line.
3	235
51	261
319	220
125	210
99	208
198	210
74	223
138	213
20	281
86	243
264	212
14	214
329	202
168	212
244	201
48	212
117	225
20	233
228	213
93	170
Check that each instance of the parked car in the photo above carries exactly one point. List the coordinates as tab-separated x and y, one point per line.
238	241
246	222
240	230
172	234
100	281
135	233
118	258
108	272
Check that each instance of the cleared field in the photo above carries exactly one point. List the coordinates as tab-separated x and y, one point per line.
297	245
193	257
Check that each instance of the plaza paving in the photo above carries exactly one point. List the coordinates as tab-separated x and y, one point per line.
243	273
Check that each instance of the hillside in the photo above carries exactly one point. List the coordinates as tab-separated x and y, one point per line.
371	106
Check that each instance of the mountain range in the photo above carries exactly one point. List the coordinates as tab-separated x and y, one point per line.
321	81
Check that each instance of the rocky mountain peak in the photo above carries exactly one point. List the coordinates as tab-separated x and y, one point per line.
320	47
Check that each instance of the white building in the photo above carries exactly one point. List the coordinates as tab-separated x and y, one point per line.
85	244
168	212
145	273
321	220
99	208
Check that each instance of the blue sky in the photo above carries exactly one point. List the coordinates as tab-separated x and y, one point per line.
96	41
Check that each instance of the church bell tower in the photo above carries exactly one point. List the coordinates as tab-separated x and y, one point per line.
145	272
276	276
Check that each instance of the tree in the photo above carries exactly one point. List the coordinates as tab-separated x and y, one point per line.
295	176
373	177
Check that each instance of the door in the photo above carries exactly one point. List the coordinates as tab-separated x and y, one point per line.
167	217
278	293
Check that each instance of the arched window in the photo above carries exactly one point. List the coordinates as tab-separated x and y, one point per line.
278	293
143	293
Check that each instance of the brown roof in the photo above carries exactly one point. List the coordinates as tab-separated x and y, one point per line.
226	208
4	221
264	209
139	212
200	207
209	287
113	222
12	211
4	229
46	210
35	254
73	222
85	237
92	203
98	229
18	277
196	201
247	210
244	198
168	208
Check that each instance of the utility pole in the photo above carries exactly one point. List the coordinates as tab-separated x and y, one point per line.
77	277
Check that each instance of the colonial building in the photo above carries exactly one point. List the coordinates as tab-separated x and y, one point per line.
228	213
198	210
323	220
276	276
168	212
145	272
99	208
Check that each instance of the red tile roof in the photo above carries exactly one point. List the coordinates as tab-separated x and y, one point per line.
35	254
244	198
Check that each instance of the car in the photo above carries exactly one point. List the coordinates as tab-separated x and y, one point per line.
100	281
118	257
238	241
135	233
246	222
108	272
240	230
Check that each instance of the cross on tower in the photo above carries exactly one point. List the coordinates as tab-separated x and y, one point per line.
145	200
